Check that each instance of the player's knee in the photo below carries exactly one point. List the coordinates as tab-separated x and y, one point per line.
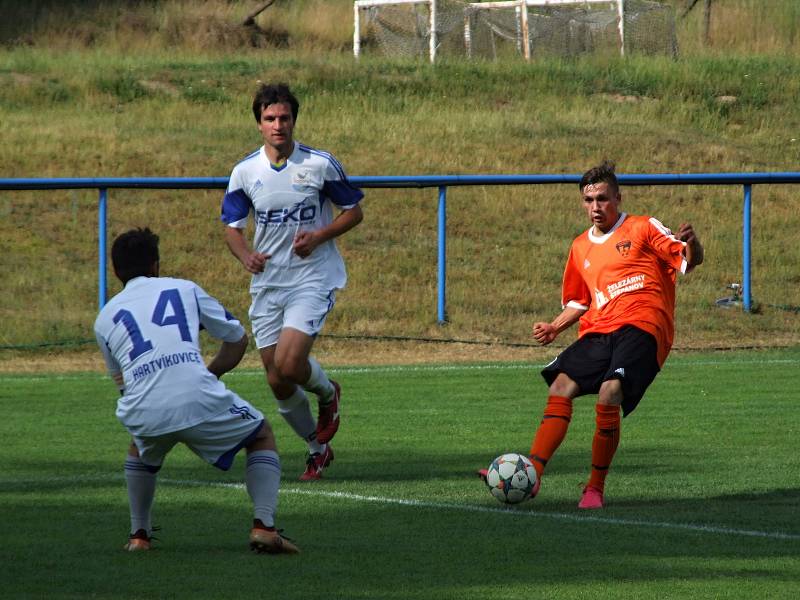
274	378
292	369
133	450
610	393
264	440
564	386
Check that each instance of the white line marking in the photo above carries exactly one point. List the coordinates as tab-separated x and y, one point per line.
512	512
246	373
450	506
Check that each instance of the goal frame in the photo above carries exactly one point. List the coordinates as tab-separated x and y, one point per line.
522	14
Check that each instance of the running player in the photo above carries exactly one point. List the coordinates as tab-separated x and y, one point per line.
149	337
291	191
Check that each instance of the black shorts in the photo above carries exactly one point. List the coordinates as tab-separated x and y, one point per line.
628	354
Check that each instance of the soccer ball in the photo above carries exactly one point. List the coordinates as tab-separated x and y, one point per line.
511	478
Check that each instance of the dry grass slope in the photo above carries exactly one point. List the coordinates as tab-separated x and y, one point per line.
150	92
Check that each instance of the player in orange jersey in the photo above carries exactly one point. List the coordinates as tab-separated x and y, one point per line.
619	282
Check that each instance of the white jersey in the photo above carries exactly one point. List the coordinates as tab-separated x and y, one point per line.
296	196
149	332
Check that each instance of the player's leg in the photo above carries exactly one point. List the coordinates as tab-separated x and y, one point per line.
555	421
632	368
294	363
604	442
292	401
305	313
262	477
219	439
553	427
140	479
576	371
293	404
267	316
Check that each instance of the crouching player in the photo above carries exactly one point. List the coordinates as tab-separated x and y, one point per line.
149	337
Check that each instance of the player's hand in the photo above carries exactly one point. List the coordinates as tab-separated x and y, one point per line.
305	242
544	333
693	252
686	233
255	262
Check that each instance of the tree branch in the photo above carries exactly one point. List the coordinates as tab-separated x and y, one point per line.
251	18
689	6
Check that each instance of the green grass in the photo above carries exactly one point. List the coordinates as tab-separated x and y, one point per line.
701	502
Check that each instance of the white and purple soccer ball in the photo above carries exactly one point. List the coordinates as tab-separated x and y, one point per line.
511	478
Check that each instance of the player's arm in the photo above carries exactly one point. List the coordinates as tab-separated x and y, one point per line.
693	252
222	325
229	355
545	333
112	366
306	241
253	261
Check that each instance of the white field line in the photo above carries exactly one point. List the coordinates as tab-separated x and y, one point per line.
515	366
510	512
443	506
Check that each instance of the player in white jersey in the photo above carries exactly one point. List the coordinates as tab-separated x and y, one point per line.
291	191
149	337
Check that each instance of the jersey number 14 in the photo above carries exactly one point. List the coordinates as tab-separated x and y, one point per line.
178	317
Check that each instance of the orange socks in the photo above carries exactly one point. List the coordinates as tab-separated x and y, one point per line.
551	432
604	445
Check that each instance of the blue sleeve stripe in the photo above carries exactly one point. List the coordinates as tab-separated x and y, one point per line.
342	193
235	206
336	165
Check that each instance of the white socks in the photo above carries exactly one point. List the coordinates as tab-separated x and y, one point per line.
318	382
297	412
263	477
141	490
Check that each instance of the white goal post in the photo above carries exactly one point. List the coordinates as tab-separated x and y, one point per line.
359	4
521	7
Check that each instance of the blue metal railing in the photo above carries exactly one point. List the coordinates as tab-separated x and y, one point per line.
442	182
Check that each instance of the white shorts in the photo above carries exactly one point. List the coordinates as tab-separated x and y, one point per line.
304	309
216	441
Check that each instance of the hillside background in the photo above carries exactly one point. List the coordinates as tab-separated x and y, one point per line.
145	89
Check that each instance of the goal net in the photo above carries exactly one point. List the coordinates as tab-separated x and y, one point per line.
529	28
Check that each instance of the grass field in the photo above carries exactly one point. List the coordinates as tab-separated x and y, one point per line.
701	502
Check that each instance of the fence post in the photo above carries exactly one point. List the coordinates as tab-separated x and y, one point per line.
746	249
442	255
101	247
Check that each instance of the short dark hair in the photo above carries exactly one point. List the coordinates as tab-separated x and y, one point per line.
603	173
274	93
134	253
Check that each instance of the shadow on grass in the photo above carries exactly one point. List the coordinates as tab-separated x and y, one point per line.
69	546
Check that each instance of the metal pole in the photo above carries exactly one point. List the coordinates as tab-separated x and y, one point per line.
101	247
442	313
621	10
746	254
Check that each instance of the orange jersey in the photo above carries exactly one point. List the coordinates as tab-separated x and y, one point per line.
626	277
